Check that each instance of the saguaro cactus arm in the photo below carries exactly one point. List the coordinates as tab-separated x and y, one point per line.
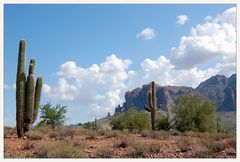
146	108
37	98
29	102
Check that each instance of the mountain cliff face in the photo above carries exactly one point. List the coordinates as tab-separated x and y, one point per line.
219	89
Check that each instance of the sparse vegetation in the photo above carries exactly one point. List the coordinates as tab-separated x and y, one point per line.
66	150
84	143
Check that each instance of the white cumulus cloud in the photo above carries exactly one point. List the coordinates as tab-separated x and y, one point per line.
147	34
213	39
97	87
182	19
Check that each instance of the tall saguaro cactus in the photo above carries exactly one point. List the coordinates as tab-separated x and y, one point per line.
27	94
152	104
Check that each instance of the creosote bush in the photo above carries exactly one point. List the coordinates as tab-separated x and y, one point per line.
131	120
194	113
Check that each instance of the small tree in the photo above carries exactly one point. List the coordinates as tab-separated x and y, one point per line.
131	120
54	116
194	113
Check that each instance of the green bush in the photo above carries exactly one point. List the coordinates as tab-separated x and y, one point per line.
90	125
131	120
162	123
52	115
194	113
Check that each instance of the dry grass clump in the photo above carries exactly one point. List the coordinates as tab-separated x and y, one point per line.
213	146
53	134
105	152
91	134
175	133
140	151
163	135
35	135
232	142
124	142
112	133
154	148
66	150
28	145
58	150
9	131
184	144
201	152
41	149
148	134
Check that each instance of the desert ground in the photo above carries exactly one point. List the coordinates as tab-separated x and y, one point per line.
83	143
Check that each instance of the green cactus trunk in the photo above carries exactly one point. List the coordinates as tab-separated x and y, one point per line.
20	88
37	98
27	100
29	103
152	104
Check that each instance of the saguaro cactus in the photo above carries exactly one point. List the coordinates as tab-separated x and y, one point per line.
20	88
27	94
152	104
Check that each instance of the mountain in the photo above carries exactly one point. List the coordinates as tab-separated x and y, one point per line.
219	89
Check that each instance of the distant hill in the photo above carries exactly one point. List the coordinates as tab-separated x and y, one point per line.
219	89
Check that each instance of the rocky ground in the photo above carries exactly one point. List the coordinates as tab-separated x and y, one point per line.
81	143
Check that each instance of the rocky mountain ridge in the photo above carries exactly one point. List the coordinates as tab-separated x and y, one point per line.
219	89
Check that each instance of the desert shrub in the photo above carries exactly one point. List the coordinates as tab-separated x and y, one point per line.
35	135
124	143
131	120
201	152
213	146
28	145
102	132
175	133
149	134
90	125
65	150
162	123
52	115
105	152
112	133
140	151
194	113
53	134
154	148
41	149
183	144
91	134
8	131
65	132
79	144
232	142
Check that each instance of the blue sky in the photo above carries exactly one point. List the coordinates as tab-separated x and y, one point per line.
130	45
